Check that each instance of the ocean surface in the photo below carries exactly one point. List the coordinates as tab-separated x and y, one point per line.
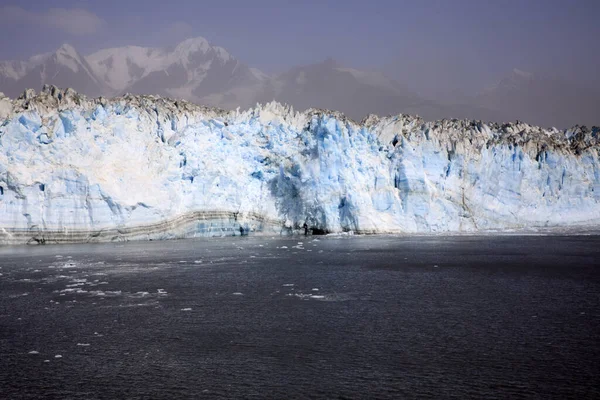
303	317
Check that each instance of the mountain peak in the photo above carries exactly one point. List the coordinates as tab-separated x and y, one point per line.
193	45
67	49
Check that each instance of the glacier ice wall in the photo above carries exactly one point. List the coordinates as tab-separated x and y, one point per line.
139	167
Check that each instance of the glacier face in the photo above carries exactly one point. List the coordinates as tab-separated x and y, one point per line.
140	167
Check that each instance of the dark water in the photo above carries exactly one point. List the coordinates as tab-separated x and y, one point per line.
485	317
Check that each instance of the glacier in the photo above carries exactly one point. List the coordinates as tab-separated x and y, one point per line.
74	169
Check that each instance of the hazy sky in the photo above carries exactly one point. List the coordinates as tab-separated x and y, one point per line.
428	44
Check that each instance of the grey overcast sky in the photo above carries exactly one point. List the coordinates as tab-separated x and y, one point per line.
428	44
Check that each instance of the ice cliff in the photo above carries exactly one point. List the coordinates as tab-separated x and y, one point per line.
140	167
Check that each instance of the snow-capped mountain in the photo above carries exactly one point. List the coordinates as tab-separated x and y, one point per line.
197	71
330	85
64	68
542	100
192	70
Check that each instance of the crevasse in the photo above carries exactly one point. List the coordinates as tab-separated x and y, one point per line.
74	169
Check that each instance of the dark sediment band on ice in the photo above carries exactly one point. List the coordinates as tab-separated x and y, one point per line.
189	225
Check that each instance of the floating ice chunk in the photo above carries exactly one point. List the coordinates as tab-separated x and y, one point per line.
58	356
314	296
238	294
67	290
315	289
34	352
186	309
435	266
284	247
46	361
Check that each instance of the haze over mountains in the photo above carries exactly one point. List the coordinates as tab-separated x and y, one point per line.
197	71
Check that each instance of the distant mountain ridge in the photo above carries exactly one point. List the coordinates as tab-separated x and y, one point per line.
542	100
197	71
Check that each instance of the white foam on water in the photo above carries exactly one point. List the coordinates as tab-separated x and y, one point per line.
186	309
198	262
34	352
315	289
83	344
288	284
238	294
58	356
161	291
317	296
